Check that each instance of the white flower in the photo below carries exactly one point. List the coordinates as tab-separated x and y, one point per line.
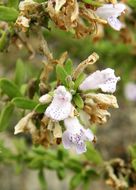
45	99
111	13
60	107
130	91
105	80
75	135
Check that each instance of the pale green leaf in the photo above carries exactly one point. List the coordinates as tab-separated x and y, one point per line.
5	116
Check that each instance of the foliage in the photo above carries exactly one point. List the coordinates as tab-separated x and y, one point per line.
30	70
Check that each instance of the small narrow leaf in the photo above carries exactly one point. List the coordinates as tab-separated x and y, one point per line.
68	66
79	80
8	14
134	164
76	181
40	108
3	40
9	88
74	165
132	151
42	180
61	73
61	173
78	101
5	116
24	103
93	155
20	72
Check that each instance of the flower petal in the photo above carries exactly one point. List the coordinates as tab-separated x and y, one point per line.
115	23
61	106
75	135
91	82
130	91
81	148
72	124
58	110
109	81
66	141
89	135
108	10
105	80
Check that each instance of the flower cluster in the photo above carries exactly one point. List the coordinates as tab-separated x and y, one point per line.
72	106
71	15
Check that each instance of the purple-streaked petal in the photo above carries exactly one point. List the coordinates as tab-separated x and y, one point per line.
80	148
105	80
115	23
60	107
58	110
65	140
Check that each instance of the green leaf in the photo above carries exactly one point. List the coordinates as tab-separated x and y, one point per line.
61	74
24	103
20	72
74	165
36	162
40	108
76	181
13	3
42	180
9	88
92	2
3	40
40	1
53	164
134	164
132	3
87	1
79	80
91	174
132	151
5	116
78	101
8	14
68	66
61	173
93	155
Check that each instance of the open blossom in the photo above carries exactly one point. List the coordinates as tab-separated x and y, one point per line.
75	135
60	107
105	80
111	13
130	91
